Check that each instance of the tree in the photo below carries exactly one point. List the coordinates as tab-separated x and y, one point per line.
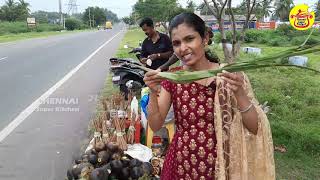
161	11
240	9
13	11
98	16
72	24
204	10
218	9
265	9
41	16
282	9
77	16
9	11
317	11
128	20
48	17
22	10
261	10
191	6
110	16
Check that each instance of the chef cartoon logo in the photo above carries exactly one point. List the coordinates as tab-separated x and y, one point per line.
300	18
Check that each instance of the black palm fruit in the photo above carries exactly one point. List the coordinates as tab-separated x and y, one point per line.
135	162
99	174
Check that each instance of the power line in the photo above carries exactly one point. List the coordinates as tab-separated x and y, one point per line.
72	7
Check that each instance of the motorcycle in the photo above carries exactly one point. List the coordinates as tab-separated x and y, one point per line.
126	74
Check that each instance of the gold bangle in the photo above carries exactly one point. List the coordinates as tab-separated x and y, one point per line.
246	109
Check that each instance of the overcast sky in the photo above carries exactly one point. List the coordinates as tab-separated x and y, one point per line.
120	7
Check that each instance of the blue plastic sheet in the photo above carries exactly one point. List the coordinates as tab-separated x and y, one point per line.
144	104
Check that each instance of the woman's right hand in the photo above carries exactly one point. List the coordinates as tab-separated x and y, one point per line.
153	80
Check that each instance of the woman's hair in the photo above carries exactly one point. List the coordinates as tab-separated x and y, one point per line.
194	21
191	20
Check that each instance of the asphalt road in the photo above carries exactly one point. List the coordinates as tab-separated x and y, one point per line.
42	146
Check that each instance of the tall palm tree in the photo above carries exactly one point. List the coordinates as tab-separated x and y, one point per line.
23	10
191	5
266	8
10	3
8	9
24	5
317	7
283	8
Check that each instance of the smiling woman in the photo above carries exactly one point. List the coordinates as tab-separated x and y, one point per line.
214	116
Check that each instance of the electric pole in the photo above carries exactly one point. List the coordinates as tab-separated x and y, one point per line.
89	18
60	12
72	7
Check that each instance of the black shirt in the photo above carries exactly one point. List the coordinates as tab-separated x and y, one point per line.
162	45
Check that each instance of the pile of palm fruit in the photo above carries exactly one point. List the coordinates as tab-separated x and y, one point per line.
104	159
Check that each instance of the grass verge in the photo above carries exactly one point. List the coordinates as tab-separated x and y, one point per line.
30	35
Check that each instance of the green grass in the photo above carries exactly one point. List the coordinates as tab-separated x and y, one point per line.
30	35
21	27
14	31
294	98
284	35
131	38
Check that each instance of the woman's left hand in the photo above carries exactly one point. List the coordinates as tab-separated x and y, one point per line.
234	82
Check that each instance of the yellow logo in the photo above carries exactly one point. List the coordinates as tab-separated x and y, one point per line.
300	18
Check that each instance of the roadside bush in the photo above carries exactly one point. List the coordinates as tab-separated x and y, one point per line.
297	40
285	29
277	41
50	27
72	24
263	40
21	27
84	26
284	35
217	36
253	35
312	41
13	27
300	39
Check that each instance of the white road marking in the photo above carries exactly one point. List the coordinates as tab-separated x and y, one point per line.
3	58
26	112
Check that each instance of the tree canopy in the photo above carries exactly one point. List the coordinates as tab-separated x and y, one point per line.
99	16
14	11
161	11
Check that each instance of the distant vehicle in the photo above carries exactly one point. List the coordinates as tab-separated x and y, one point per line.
108	25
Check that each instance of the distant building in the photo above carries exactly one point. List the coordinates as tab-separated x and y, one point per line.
211	21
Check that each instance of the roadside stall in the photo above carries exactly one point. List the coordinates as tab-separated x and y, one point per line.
123	145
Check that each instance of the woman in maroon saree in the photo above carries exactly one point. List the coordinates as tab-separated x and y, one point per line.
221	133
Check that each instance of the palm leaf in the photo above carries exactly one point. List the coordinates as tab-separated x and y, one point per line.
261	62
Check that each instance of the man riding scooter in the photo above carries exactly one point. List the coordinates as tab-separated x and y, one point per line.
156	48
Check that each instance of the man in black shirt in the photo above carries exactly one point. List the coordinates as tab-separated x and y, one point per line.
157	46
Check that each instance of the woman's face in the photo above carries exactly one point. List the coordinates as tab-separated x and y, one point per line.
187	44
